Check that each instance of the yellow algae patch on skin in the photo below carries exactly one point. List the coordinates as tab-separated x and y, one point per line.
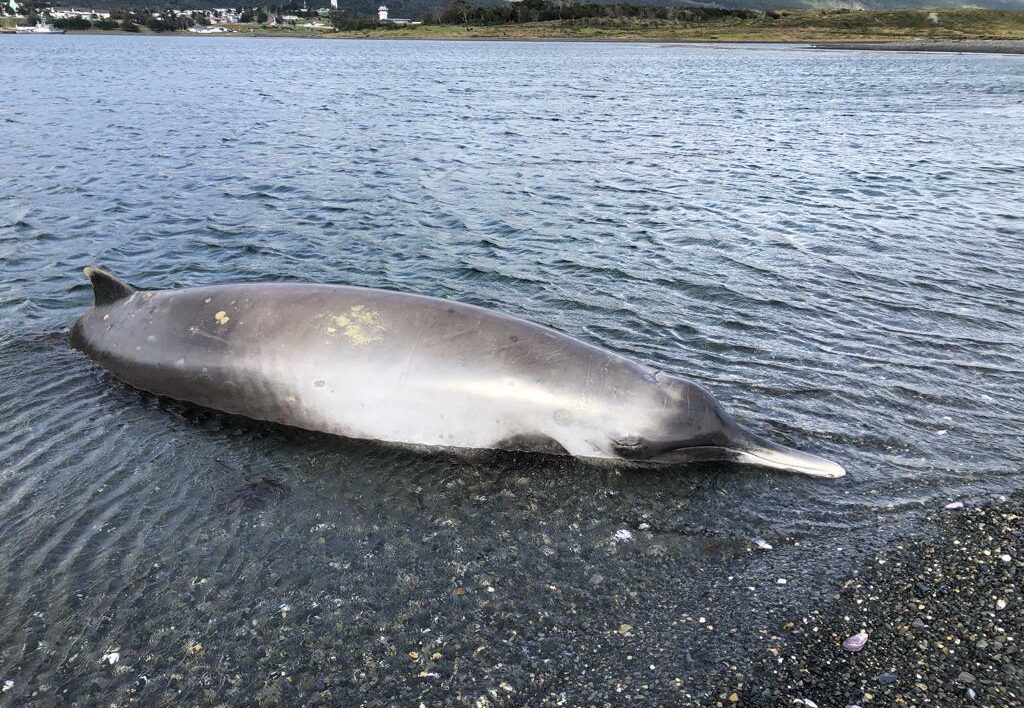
221	317
360	326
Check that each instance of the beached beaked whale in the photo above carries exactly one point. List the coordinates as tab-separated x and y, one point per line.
401	368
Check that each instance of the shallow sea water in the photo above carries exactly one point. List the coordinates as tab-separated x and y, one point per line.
831	242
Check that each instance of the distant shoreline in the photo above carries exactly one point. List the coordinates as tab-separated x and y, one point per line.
964	46
955	31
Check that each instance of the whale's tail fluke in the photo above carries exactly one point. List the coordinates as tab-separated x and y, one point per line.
107	288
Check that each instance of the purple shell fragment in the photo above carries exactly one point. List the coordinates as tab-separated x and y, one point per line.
856	642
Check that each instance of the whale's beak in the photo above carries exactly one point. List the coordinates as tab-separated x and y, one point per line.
767	454
734	444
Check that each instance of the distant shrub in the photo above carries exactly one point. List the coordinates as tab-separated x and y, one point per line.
73	23
164	25
129	26
350	22
106	24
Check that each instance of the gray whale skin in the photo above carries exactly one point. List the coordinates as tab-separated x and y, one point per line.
401	368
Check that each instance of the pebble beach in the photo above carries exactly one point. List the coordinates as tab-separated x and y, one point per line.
965	46
943	619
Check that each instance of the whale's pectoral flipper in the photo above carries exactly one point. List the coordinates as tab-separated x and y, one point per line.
531	443
106	287
638	448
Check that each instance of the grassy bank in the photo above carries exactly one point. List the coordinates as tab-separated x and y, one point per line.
783	26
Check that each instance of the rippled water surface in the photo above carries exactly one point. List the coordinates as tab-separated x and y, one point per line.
832	242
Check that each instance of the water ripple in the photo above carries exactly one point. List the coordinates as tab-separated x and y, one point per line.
835	252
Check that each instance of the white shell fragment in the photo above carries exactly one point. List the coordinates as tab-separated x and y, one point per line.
856	642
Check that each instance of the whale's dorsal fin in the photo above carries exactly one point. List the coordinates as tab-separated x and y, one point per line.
106	287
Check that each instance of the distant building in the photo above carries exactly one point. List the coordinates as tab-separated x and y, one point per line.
65	13
334	4
224	14
382	17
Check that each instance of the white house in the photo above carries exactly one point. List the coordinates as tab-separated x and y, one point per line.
64	13
382	17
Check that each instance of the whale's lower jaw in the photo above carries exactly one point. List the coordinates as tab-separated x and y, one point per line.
771	456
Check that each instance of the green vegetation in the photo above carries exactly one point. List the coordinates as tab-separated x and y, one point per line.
702	24
550	19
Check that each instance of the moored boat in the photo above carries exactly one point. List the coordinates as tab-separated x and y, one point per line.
41	28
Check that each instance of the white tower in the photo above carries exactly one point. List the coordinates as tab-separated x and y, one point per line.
382	13
334	4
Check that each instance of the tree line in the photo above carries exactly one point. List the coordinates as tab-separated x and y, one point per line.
461	12
126	22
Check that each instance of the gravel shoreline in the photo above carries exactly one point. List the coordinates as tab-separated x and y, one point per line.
971	46
944	618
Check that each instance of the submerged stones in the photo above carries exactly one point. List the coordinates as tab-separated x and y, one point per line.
258	493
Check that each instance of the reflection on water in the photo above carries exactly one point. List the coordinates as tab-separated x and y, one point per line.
828	241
